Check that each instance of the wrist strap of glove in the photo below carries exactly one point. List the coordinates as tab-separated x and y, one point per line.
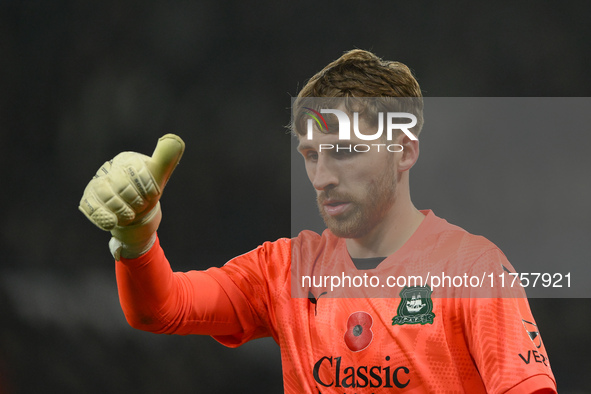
119	249
134	240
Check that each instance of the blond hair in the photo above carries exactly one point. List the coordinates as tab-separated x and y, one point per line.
361	74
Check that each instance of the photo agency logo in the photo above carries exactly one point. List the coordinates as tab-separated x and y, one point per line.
387	122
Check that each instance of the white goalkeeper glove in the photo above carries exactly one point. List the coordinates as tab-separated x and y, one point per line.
123	197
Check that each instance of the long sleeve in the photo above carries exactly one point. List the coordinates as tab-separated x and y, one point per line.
156	299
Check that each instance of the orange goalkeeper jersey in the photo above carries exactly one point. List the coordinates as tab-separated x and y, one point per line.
411	341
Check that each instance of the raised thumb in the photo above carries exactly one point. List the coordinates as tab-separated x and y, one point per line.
165	158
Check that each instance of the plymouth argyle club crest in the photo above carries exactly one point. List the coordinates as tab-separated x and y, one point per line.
416	306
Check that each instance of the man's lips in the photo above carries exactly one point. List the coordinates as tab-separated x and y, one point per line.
335	207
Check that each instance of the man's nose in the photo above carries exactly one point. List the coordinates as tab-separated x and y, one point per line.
324	174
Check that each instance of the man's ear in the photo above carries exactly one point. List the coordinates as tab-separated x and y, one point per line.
410	153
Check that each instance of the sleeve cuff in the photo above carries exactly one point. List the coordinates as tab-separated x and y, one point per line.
141	259
533	385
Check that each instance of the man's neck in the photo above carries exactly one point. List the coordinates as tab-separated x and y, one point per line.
389	236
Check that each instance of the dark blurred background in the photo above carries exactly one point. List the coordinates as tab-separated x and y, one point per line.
81	82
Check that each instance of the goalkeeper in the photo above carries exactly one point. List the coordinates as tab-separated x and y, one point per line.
409	342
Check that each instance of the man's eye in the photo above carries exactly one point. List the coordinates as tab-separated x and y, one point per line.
343	153
311	155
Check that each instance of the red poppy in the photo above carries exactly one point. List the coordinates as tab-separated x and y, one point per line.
359	334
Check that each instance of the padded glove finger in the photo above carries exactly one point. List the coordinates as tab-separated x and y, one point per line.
126	188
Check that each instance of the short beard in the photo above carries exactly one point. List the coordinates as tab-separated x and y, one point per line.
364	215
